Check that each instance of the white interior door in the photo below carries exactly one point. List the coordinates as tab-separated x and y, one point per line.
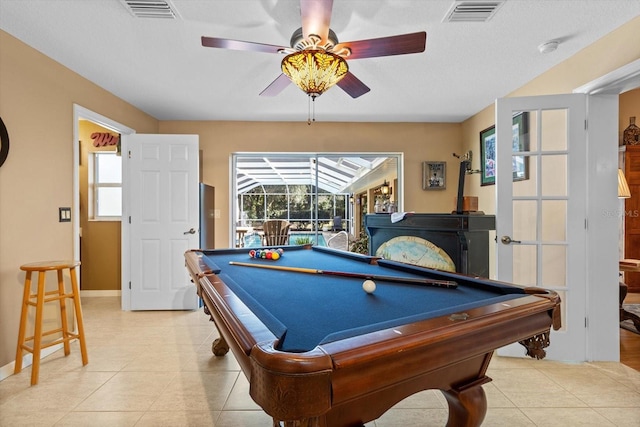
541	186
163	210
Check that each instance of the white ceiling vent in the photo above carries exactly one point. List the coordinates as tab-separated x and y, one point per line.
151	8
472	11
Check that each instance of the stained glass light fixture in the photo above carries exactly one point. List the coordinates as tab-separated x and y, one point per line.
313	64
314	70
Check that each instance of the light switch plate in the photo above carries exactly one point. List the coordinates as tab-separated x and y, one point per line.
64	214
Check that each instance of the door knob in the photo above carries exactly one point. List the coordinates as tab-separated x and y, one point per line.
506	240
192	231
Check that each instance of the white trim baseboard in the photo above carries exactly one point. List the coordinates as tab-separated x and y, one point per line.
27	360
105	293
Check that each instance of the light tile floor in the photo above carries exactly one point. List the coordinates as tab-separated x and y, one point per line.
156	369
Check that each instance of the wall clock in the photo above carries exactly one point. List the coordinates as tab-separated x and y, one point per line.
4	142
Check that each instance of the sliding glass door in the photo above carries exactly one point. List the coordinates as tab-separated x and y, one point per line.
315	192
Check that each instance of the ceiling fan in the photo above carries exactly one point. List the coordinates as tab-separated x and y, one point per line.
316	60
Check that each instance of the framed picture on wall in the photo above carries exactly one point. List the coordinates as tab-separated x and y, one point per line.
434	175
520	143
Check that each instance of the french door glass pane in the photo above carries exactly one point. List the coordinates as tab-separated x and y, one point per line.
524	265
554	220
554	266
554	132
528	186
525	218
554	175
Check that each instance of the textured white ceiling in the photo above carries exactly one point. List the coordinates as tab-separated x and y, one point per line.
159	65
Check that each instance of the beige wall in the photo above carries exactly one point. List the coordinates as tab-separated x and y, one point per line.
418	142
36	104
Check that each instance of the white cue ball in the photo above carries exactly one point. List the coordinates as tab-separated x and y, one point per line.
369	286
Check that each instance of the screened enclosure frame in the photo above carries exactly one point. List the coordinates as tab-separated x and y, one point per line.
331	178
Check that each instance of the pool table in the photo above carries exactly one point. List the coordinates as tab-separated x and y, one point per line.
318	350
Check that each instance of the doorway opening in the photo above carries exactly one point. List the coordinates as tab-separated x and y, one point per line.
613	84
89	236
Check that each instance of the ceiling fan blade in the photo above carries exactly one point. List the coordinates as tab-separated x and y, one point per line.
240	45
352	85
276	86
386	46
316	17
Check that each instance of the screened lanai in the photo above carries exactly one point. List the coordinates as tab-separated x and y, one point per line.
314	192
333	174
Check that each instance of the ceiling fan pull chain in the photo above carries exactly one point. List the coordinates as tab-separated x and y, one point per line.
311	111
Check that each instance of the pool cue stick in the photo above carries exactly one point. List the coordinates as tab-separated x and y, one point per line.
411	280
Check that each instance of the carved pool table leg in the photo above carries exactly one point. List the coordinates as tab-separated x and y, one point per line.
219	347
467	406
535	345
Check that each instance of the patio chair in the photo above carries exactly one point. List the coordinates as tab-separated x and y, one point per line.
339	241
337	223
276	232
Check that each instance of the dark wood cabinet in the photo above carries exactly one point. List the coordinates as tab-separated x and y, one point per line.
632	213
463	237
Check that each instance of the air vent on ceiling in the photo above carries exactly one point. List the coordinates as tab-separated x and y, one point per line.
472	11
151	8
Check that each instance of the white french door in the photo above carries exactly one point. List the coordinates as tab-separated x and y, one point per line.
541	215
162	219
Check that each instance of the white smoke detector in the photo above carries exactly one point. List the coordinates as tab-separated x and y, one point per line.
548	47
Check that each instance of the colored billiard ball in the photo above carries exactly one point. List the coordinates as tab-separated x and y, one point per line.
275	256
252	253
369	286
269	255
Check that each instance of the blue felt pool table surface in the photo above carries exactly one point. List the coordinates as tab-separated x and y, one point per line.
306	310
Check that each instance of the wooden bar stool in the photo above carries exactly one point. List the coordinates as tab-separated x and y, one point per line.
38	300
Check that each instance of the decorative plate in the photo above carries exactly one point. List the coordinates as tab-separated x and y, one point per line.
417	251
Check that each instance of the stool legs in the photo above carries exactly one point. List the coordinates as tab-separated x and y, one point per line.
41	297
63	314
37	337
76	300
23	322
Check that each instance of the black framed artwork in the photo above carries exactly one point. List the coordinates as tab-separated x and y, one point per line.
520	143
434	175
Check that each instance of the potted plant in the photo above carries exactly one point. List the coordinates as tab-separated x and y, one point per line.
360	245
